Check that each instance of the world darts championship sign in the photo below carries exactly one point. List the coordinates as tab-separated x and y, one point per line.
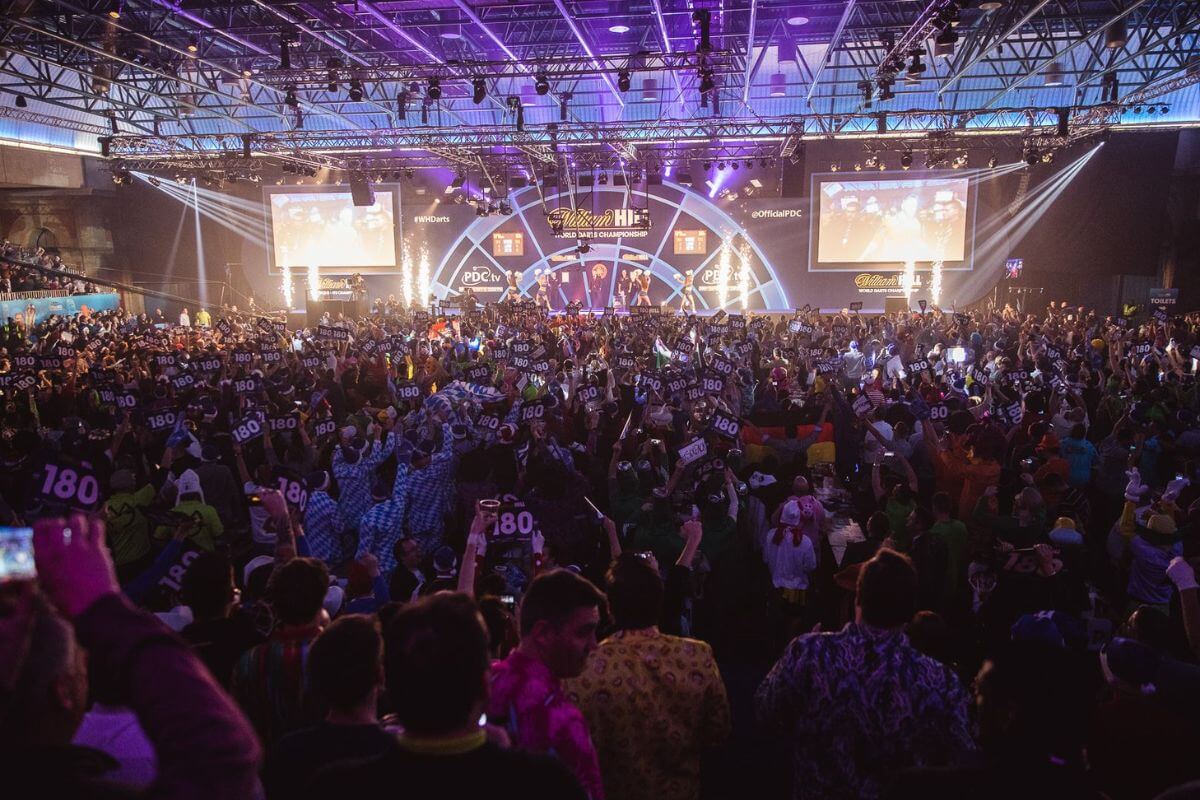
612	223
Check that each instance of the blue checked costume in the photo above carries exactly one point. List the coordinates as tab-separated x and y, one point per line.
379	530
354	482
429	494
323	529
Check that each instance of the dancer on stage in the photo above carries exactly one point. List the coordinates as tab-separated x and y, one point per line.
514	291
642	279
542	299
687	301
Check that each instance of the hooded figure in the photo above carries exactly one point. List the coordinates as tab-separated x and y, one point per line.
789	555
202	527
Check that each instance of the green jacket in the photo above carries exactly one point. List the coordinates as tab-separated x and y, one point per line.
126	524
208	526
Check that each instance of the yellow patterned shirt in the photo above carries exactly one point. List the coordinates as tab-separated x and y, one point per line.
653	704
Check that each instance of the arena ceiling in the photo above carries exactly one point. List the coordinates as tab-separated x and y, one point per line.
447	80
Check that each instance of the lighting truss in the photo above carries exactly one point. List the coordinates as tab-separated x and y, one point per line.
710	133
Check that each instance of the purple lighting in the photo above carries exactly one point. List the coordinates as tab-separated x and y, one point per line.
618	29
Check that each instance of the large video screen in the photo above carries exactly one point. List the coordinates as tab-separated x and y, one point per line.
326	229
891	221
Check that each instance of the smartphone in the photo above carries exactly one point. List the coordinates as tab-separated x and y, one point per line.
16	554
888	454
508	601
956	355
1027	463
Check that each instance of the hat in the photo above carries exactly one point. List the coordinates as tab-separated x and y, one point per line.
790	515
188	483
210	452
1053	628
317	481
758	480
1161	530
422	451
253	564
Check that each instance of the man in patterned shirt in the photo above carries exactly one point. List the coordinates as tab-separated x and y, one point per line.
862	704
558	619
382	526
654	703
428	491
322	523
353	461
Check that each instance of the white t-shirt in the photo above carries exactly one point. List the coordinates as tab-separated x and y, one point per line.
258	517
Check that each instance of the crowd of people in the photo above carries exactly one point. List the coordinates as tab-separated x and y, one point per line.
506	553
19	272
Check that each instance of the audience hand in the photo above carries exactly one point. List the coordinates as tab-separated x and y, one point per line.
73	564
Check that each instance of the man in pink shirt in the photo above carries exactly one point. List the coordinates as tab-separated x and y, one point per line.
558	620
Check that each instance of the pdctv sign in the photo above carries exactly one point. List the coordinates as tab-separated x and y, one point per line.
613	223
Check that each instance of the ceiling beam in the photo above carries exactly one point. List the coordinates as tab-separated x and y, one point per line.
833	43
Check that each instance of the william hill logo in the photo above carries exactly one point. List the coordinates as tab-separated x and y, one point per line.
610	223
873	280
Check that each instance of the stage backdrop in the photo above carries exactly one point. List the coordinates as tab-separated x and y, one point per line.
1075	224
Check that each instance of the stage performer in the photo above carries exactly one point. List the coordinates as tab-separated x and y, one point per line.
687	301
514	291
624	286
642	279
542	299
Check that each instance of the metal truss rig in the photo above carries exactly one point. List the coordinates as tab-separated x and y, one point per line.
628	138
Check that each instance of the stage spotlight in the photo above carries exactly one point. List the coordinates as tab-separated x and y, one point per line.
707	166
193	45
885	90
331	76
623	80
992	162
434	92
247	72
1164	110
1048	157
720	165
21	102
402	104
603	178
1137	109
762	162
915	67
541	84
285	53
734	165
905	160
834	167
706	79
356	91
114	9
749	163
1032	157
858	167
153	181
478	90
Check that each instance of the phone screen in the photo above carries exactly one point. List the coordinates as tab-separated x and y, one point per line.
16	554
956	355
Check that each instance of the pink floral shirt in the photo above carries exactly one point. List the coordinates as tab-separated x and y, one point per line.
529	702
